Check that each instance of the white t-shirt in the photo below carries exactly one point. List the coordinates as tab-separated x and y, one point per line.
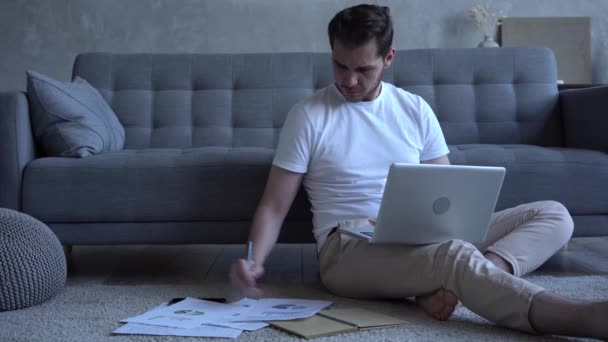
346	148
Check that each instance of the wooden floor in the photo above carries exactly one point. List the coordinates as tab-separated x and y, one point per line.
293	263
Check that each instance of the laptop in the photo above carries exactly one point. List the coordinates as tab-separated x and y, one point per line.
429	203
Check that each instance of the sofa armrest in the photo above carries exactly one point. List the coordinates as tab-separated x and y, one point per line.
16	146
585	113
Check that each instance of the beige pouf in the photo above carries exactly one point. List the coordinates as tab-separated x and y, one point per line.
32	262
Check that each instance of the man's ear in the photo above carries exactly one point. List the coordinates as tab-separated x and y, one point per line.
389	57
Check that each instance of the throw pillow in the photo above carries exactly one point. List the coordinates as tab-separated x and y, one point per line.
71	119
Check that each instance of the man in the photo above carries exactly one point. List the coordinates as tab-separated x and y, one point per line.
340	144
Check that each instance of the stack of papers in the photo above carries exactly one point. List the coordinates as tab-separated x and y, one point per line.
196	317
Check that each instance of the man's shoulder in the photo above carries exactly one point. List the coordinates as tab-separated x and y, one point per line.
319	99
402	94
410	104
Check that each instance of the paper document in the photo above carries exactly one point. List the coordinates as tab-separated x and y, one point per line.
278	309
200	331
191	313
196	317
249	326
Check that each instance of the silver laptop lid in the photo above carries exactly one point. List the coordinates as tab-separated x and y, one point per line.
427	203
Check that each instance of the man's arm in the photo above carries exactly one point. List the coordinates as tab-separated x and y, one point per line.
443	160
281	189
279	193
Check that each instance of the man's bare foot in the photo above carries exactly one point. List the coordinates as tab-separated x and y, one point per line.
440	305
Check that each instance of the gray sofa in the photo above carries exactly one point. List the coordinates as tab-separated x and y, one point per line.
201	129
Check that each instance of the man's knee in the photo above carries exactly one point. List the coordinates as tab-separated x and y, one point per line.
451	252
558	213
329	284
455	259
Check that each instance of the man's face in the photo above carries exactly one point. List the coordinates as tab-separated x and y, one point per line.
358	71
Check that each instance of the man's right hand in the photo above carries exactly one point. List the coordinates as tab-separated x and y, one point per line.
245	276
281	188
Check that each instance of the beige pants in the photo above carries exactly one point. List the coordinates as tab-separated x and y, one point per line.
525	236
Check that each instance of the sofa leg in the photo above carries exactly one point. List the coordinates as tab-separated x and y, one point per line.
67	249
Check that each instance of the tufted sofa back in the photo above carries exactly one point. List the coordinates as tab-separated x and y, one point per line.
501	95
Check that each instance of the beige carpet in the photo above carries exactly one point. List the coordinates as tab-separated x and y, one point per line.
91	311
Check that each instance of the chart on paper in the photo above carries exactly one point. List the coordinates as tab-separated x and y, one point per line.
283	309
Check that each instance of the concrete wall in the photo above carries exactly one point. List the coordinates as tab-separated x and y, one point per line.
46	35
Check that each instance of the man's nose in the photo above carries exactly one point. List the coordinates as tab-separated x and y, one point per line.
350	80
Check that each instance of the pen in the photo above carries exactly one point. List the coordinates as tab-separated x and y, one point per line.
249	252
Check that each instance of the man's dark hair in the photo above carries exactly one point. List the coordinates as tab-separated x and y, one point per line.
357	25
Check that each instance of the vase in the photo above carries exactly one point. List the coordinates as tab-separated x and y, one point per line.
488	41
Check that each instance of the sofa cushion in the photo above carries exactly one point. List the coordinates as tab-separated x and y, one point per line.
574	177
488	96
154	185
218	183
71	119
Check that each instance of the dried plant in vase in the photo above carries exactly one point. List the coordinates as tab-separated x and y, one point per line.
486	19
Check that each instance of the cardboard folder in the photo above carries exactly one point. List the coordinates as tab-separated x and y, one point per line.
337	321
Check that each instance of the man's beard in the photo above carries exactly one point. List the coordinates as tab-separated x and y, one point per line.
370	92
376	85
